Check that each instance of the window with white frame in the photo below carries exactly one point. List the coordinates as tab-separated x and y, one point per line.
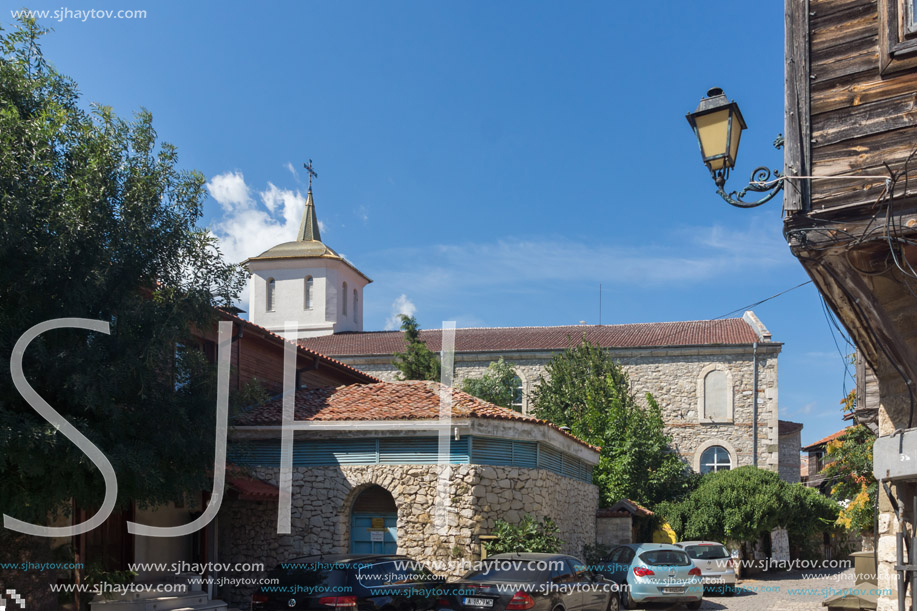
307	294
354	305
516	403
715	458
270	295
344	302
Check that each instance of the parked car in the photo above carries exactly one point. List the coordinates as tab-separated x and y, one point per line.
715	565
654	573
536	582
346	582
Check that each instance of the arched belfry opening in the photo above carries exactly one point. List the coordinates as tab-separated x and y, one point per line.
374	522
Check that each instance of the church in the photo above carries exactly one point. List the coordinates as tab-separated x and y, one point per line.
715	380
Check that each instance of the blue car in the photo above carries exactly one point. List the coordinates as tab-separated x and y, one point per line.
653	573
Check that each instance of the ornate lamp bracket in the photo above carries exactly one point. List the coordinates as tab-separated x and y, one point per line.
761	181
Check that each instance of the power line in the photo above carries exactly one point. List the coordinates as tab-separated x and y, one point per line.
757	303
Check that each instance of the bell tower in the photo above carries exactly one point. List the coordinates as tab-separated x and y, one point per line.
305	282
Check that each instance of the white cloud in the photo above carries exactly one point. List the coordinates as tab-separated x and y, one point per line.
289	166
230	191
248	227
322	227
531	263
401	305
363	214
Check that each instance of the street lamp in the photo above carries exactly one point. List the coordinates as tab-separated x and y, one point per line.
718	125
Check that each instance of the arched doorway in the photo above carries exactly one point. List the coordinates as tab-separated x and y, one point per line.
374	522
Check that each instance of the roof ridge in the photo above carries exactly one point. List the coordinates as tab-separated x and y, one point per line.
485	410
575	326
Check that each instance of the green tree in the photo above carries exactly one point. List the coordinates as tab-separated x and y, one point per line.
97	221
528	536
586	390
417	362
497	385
745	504
850	470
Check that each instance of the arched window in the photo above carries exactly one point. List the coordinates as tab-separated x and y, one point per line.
344	303
715	458
715	395
307	295
517	394
271	298
354	305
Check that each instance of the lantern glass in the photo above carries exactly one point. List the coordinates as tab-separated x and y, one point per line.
718	125
719	140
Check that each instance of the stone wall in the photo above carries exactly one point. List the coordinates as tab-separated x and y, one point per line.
476	495
613	530
790	457
672	376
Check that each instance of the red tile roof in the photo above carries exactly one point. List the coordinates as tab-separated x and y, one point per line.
502	339
631	507
251	489
411	400
822	442
358	375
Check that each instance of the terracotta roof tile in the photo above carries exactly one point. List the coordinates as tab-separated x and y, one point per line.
502	339
824	441
631	507
251	489
280	340
411	400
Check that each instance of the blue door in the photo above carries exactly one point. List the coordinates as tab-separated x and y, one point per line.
366	537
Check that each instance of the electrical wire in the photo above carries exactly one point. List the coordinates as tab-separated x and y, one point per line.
757	303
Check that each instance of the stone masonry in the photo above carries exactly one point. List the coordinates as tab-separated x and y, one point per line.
671	375
477	496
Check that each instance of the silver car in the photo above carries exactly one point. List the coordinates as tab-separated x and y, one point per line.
715	565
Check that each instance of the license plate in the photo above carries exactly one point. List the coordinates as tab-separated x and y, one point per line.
478	602
673	590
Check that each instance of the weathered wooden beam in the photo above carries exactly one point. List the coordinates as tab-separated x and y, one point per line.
864	120
856	22
860	89
854	57
796	117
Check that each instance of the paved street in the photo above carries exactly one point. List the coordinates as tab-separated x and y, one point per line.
777	591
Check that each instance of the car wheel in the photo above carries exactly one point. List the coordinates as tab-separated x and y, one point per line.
627	601
614	602
694	604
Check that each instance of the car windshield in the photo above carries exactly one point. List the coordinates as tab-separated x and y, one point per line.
707	552
665	557
511	571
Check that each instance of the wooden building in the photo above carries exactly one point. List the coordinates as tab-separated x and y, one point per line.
851	125
257	354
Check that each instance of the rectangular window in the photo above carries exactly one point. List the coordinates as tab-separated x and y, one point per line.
897	35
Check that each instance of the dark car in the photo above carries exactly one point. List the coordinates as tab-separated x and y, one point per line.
538	582
348	582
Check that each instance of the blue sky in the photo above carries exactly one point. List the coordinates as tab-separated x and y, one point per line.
490	163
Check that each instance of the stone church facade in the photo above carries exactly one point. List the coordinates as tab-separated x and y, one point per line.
702	373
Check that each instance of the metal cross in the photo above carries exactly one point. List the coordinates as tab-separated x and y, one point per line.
312	173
